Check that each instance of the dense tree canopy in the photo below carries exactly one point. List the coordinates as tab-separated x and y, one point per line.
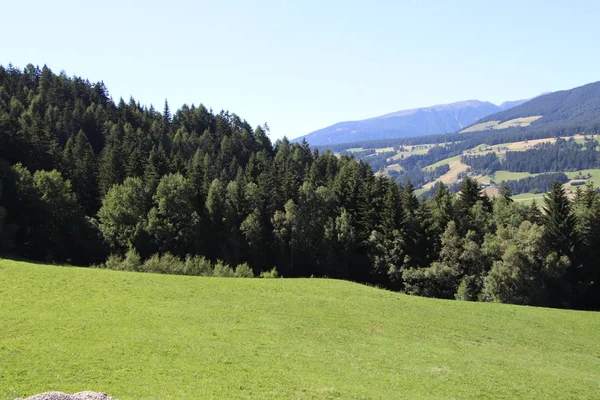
82	177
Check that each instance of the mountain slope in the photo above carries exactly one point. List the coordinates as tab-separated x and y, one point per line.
574	108
145	336
443	118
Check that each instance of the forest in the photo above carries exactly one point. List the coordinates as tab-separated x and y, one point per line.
535	184
83	177
562	109
563	155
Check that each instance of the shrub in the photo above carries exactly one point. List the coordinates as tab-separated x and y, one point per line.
152	264
223	270
170	264
244	271
132	261
270	274
469	288
114	261
197	266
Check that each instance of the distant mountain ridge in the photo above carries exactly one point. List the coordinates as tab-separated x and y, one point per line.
442	118
573	108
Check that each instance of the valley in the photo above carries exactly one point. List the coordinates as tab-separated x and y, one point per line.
457	169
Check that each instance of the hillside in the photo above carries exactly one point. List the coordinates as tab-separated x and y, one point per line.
426	164
153	336
444	118
101	181
577	107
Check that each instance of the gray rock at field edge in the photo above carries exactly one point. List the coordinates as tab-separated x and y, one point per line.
63	396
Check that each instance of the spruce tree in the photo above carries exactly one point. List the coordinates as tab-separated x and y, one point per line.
111	168
81	170
559	221
560	237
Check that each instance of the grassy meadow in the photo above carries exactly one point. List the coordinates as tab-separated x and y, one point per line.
147	336
595	175
500	176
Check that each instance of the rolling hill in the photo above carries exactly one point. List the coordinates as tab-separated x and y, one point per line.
574	108
443	118
147	336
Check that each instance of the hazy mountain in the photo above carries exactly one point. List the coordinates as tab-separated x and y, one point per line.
511	104
444	118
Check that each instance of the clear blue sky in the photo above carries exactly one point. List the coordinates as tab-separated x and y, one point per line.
304	65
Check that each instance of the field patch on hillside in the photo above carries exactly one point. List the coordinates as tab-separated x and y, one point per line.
456	167
489	125
500	176
592	175
146	336
482	126
527	198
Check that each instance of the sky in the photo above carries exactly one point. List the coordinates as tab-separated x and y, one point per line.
303	65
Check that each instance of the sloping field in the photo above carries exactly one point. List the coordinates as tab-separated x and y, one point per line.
523	121
500	176
483	126
146	336
592	175
456	167
527	198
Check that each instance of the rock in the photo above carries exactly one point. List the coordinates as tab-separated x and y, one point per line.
91	396
63	396
50	396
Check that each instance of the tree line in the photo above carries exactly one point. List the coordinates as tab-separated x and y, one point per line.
84	178
535	184
562	155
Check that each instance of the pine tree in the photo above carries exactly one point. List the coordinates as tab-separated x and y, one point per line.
157	167
166	117
559	221
533	213
506	193
111	168
561	238
80	165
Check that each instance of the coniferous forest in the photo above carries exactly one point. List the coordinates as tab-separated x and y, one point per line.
83	177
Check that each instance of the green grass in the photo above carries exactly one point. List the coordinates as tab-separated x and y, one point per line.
146	336
527	198
442	162
594	172
483	178
500	176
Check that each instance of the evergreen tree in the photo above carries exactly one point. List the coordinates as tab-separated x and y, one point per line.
157	167
111	169
559	221
533	213
166	117
204	183
560	236
80	165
